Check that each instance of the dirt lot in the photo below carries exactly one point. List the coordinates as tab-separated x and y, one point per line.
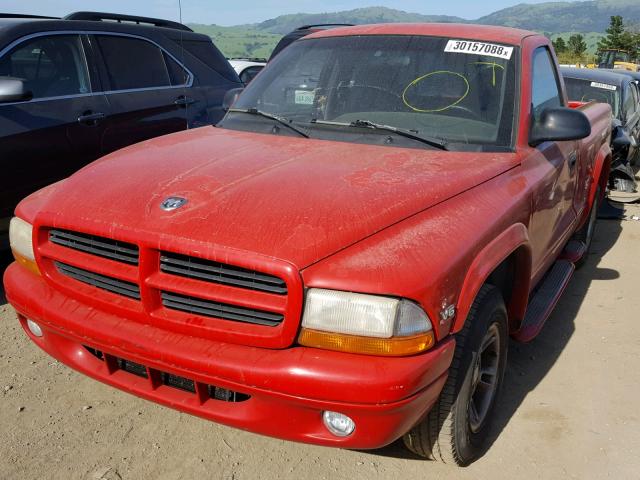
570	408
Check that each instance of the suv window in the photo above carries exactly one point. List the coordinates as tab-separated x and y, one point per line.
630	103
134	63
545	92
208	54
177	74
51	66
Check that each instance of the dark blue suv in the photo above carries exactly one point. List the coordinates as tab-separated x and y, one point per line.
77	88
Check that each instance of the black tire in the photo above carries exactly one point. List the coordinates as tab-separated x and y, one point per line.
635	160
447	433
585	234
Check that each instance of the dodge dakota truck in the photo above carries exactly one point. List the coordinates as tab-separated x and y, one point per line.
342	260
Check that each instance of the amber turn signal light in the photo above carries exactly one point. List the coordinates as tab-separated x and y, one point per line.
26	262
392	347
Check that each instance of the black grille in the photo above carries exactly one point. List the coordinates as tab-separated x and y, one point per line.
169	379
102	247
110	284
225	395
215	272
209	308
96	353
178	382
133	367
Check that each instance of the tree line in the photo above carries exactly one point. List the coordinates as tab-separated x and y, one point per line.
619	37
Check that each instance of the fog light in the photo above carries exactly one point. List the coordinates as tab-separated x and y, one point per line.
34	328
338	424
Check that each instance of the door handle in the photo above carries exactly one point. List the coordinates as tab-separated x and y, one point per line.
182	100
91	118
573	158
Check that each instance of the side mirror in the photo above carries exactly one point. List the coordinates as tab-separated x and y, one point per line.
559	124
620	139
230	98
13	90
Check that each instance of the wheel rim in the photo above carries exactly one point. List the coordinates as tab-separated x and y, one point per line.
484	384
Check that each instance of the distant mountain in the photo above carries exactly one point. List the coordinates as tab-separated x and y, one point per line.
552	18
285	23
556	17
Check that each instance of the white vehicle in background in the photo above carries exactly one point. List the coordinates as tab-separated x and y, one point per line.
247	68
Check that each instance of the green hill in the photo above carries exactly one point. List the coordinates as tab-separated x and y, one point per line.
555	19
285	23
590	38
241	41
559	17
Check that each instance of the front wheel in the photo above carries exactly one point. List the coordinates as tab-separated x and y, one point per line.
456	429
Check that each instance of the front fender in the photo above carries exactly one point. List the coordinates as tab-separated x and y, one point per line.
513	239
599	175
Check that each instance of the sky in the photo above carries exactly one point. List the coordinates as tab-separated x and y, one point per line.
226	12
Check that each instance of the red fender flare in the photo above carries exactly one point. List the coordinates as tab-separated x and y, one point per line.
489	258
600	173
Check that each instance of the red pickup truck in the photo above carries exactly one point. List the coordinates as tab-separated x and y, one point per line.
341	260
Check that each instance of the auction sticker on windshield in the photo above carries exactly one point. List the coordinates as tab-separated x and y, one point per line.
479	48
605	86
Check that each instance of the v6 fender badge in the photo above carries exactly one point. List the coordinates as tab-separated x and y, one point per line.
447	313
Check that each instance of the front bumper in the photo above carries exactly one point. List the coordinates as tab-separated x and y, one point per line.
288	389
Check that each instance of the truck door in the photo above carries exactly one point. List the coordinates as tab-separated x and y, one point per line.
557	164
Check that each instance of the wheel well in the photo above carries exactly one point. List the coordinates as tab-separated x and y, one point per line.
604	175
512	278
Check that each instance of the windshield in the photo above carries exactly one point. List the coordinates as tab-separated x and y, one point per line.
459	92
588	91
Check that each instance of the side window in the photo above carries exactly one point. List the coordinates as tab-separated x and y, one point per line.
177	74
51	66
544	89
133	63
630	102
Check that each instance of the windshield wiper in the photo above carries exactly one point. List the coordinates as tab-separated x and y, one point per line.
281	120
389	128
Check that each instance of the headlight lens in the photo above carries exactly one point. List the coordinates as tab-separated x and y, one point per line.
20	239
359	323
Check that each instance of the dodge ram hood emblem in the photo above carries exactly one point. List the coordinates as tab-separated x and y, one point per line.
172	203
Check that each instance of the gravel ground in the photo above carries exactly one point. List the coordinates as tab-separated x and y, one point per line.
569	410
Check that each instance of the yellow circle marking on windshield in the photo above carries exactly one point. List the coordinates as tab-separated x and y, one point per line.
420	79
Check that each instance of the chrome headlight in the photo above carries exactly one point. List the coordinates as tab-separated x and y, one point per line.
21	241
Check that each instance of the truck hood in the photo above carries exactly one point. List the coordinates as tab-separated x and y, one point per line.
294	199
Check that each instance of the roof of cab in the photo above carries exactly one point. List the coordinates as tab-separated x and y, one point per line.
618	78
486	33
